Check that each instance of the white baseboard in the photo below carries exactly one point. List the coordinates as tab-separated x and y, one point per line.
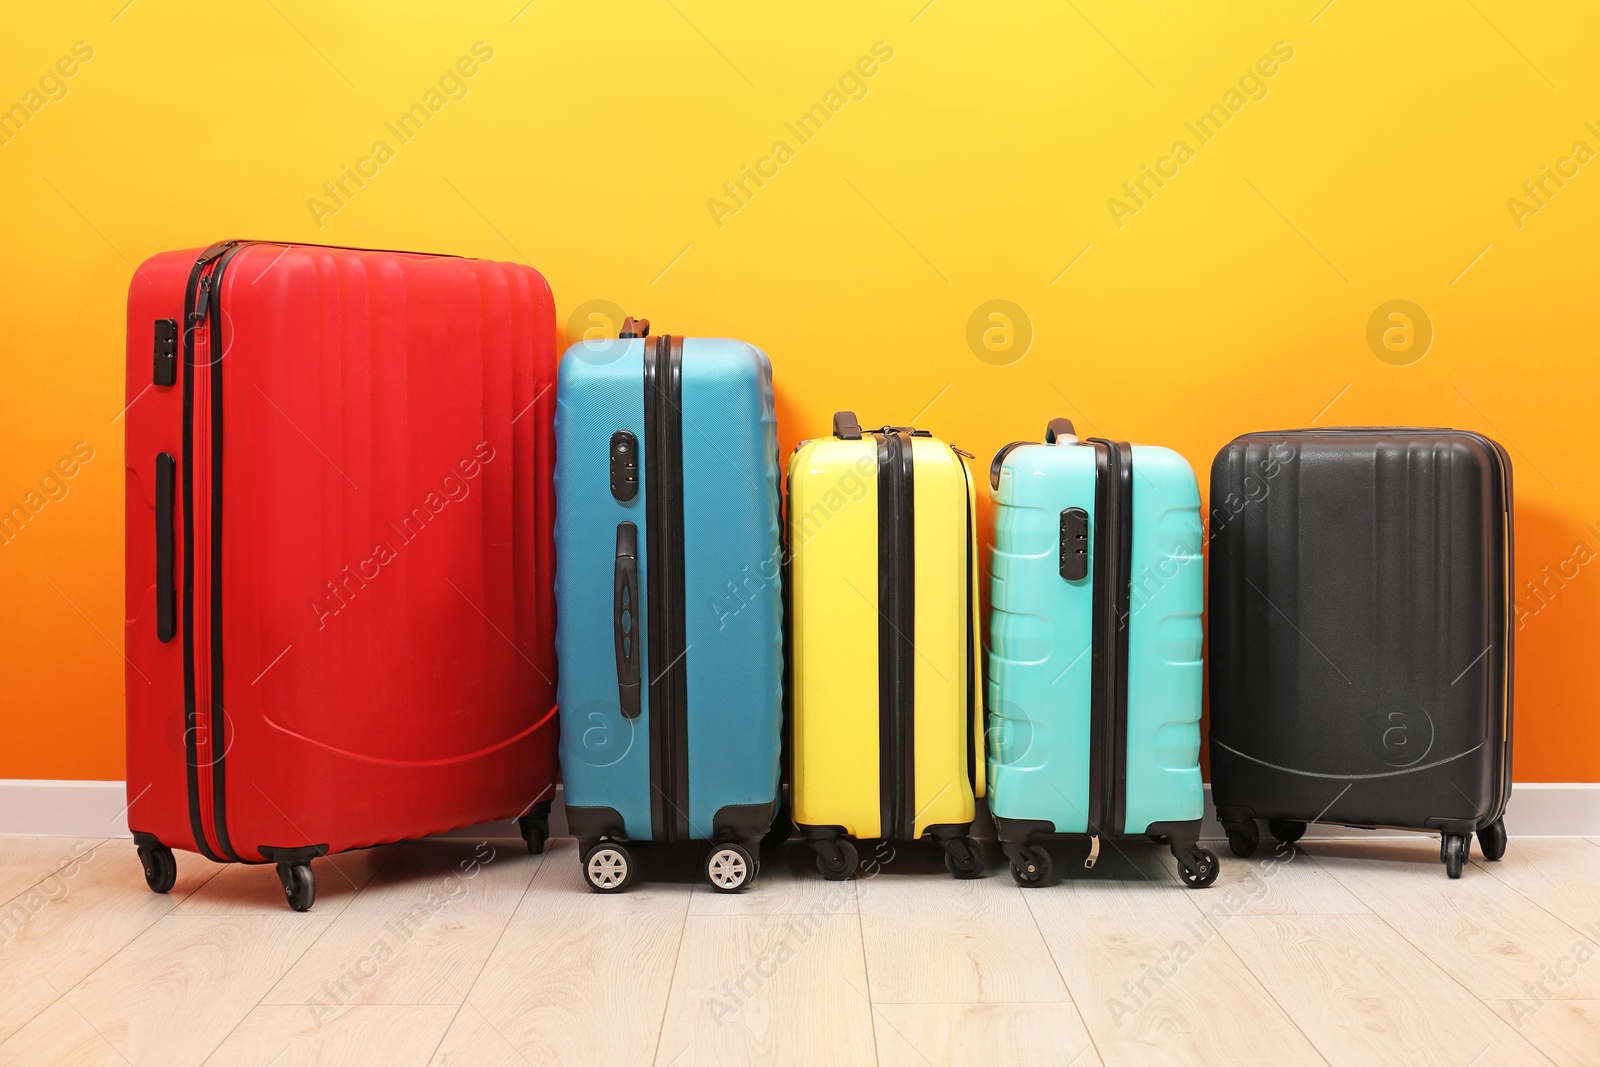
63	808
99	809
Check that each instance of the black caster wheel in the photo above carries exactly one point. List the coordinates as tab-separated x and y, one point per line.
1198	867
608	867
1243	837
836	859
730	868
1453	849
299	885
1030	866
1157	839
1286	831
160	868
535	829
964	857
1492	840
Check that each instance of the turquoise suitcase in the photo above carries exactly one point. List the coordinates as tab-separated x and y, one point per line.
1097	587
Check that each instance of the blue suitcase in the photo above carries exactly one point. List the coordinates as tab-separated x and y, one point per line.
1097	587
668	599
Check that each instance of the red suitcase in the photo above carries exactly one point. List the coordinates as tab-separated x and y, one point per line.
340	611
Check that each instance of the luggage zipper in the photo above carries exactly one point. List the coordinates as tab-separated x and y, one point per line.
668	686
896	620
205	719
1109	689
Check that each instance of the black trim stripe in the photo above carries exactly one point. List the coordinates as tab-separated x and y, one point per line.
896	634
973	754
655	628
1108	710
191	754
677	594
219	719
667	623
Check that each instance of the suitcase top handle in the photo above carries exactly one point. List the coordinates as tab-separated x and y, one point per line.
846	428
632	327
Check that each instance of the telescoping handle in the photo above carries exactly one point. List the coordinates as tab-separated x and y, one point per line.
624	617
845	426
166	591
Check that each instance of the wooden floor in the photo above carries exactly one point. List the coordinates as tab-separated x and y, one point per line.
455	952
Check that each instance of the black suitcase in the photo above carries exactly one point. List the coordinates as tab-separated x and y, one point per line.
1360	634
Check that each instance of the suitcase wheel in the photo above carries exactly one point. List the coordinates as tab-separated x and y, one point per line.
730	868
161	867
963	857
1454	849
1492	840
1198	867
1030	866
836	858
299	885
1286	831
608	867
535	828
1243	837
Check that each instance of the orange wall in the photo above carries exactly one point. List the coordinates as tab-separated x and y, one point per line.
975	163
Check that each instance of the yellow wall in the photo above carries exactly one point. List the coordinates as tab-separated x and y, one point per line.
977	166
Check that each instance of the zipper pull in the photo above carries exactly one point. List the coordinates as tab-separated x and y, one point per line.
961	452
1094	852
202	300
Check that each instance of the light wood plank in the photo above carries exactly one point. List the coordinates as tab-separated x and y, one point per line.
788	885
419	932
254	889
1277	880
1152	977
285	1036
932	938
578	977
785	989
472	1041
1567	1031
80	916
980	1035
25	862
1361	994
1486	934
171	996
1560	875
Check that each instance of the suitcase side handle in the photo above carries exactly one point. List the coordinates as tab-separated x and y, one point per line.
166	591
1060	430
625	617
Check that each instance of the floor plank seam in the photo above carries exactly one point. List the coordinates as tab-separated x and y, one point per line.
1222	936
866	975
1580	931
1072	998
268	990
1442	969
63	865
61	996
462	1003
677	956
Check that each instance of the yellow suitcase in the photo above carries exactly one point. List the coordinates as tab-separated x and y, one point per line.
887	728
